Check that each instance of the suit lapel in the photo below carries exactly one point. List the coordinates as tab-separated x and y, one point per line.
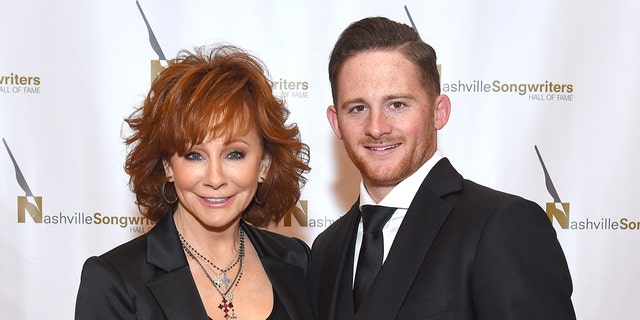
177	295
286	278
417	232
337	277
288	287
174	289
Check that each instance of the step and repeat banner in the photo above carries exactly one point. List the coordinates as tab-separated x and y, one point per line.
545	104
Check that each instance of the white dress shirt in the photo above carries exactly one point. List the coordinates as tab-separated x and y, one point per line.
399	197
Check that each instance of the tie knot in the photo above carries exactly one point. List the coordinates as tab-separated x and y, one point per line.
375	217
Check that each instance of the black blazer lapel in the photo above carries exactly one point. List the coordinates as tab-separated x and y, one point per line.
289	288
287	277
336	289
173	287
177	295
417	232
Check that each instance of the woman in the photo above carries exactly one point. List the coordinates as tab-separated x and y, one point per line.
210	160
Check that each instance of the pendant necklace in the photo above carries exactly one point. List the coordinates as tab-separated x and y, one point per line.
221	277
221	274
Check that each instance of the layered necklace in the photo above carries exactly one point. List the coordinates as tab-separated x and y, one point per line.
221	277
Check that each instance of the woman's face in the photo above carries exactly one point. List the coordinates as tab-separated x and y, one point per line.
216	180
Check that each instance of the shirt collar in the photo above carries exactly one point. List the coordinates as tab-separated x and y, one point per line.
403	193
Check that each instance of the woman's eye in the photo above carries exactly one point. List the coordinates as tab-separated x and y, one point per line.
236	155
192	156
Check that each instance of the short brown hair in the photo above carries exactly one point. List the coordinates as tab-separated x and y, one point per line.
217	92
379	33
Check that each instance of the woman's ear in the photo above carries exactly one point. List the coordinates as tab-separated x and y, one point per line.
168	170
265	164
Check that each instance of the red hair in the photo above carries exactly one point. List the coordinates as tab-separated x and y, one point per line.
221	92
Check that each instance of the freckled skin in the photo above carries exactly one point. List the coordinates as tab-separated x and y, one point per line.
386	118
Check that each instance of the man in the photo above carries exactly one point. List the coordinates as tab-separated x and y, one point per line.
452	249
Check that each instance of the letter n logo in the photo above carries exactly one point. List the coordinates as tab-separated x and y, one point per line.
157	66
561	214
34	210
299	212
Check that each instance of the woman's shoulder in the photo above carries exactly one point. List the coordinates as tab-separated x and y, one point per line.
136	250
128	249
125	255
271	237
278	246
125	263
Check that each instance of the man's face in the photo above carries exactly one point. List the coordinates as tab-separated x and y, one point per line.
385	117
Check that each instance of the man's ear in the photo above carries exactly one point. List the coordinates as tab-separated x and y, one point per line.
332	116
442	111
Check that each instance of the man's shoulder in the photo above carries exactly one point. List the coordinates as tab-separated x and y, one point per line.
334	229
481	198
473	189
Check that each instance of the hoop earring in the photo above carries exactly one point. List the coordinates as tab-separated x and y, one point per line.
258	202
255	196
164	197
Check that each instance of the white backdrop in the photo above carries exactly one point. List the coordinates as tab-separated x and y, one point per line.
561	76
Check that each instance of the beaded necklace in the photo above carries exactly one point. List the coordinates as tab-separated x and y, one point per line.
221	277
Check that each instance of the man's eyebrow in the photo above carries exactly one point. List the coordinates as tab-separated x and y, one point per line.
351	101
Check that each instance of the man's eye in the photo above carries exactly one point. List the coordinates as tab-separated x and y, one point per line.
397	105
358	108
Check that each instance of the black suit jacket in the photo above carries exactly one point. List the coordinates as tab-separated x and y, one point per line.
149	277
463	251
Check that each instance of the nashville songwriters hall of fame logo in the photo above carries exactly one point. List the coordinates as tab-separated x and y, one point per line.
33	207
556	209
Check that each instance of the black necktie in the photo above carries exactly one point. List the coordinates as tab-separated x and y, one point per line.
370	259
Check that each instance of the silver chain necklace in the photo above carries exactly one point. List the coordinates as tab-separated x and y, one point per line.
227	296
221	274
